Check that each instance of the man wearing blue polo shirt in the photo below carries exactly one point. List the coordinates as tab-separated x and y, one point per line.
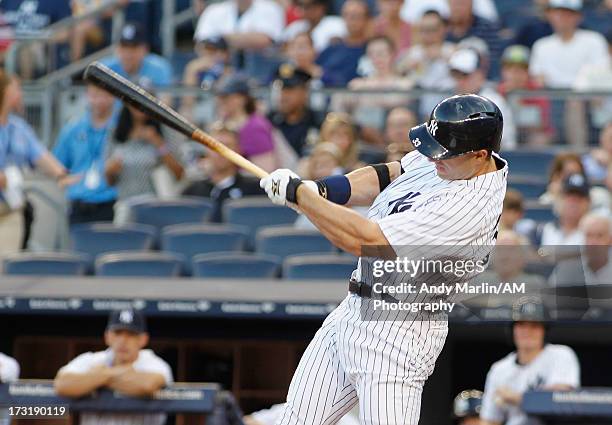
80	148
132	59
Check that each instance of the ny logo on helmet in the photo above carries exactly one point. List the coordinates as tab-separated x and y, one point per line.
432	127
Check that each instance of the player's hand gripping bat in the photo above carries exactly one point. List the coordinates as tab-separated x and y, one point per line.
105	78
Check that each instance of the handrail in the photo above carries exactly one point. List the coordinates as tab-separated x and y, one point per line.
74	67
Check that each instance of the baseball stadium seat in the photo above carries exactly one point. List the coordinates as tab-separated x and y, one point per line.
255	212
283	241
233	265
39	263
190	240
318	267
160	213
528	164
94	239
138	264
529	190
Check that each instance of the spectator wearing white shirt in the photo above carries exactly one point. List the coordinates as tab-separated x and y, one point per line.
413	10
469	74
125	367
557	58
251	28
322	27
534	365
574	203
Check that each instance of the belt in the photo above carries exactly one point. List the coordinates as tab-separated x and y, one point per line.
365	291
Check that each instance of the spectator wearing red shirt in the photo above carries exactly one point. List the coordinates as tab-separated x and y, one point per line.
389	23
533	116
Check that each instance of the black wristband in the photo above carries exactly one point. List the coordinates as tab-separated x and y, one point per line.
384	178
292	186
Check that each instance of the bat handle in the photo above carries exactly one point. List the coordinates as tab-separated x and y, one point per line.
229	154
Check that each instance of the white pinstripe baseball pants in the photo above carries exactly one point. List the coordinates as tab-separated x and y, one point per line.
380	364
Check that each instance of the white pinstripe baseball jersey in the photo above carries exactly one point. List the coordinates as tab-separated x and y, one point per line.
382	363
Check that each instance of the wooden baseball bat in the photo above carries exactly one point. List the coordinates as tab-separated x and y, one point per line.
131	93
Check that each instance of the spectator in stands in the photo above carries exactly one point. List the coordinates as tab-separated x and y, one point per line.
595	265
535	364
512	252
80	148
369	110
413	10
323	161
532	113
563	165
223	180
300	51
19	149
132	59
388	23
598	77
597	161
339	129
399	122
340	60
29	17
294	117
237	108
249	27
9	372
125	366
93	33
463	24
426	61
466	67
466	407
321	27
212	63
557	59
574	204
513	212
138	147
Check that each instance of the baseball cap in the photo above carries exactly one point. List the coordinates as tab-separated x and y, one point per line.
127	319
576	183
516	54
467	404
291	76
465	61
216	42
233	84
575	5
133	34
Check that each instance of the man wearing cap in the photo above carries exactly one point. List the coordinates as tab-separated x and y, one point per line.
557	58
533	113
125	366
466	407
132	59
294	118
574	204
469	73
534	365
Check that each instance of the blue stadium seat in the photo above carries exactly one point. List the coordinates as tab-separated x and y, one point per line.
94	239
318	267
256	212
233	265
162	213
529	190
138	264
540	214
283	241
533	164
190	240
45	264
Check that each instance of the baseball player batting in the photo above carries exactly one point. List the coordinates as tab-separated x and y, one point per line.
449	191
